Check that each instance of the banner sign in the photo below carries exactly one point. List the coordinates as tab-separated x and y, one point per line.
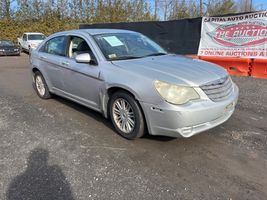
234	36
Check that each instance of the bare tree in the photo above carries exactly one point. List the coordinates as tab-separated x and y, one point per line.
245	6
179	10
166	6
220	7
156	8
5	9
62	8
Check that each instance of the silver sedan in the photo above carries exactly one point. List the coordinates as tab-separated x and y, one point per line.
134	82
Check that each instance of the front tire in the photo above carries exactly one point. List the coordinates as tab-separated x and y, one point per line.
126	115
40	86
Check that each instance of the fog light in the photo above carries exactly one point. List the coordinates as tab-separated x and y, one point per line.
187	130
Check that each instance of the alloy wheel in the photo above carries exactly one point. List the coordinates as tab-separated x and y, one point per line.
123	115
40	85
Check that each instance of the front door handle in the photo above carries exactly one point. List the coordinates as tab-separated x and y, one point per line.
65	63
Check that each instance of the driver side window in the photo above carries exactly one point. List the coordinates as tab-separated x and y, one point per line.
24	38
78	46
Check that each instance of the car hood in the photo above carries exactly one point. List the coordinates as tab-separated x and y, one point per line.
35	41
174	69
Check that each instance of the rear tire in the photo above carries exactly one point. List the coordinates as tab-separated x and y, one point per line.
126	115
40	86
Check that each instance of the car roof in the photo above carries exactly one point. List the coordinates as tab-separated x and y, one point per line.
33	33
97	31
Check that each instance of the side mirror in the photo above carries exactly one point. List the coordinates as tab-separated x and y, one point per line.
83	58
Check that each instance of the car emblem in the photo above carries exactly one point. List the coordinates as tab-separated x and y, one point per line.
219	81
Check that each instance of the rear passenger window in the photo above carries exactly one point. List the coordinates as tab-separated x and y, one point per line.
55	46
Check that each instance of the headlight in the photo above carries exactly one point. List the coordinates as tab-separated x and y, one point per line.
175	94
2	50
16	50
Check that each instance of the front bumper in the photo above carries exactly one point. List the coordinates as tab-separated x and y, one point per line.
190	119
9	53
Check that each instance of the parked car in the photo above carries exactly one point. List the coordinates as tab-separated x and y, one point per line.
30	41
7	48
131	79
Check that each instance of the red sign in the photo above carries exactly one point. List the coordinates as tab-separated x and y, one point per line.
234	36
243	34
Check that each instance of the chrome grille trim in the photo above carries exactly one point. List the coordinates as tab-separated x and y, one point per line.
218	90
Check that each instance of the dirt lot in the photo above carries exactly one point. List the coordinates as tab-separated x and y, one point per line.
57	149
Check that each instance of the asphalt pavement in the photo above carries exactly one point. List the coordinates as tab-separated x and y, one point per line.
56	149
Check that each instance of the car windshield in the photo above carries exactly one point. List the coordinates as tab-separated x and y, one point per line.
36	37
6	43
123	46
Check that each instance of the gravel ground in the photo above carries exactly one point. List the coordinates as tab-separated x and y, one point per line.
57	149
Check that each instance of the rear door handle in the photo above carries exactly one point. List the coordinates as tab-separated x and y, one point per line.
65	63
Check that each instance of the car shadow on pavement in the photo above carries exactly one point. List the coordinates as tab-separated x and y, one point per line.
40	180
100	118
87	111
158	138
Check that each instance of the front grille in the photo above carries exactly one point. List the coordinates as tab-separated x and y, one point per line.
218	90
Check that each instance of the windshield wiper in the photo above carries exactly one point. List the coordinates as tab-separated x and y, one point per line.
135	57
155	54
125	58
